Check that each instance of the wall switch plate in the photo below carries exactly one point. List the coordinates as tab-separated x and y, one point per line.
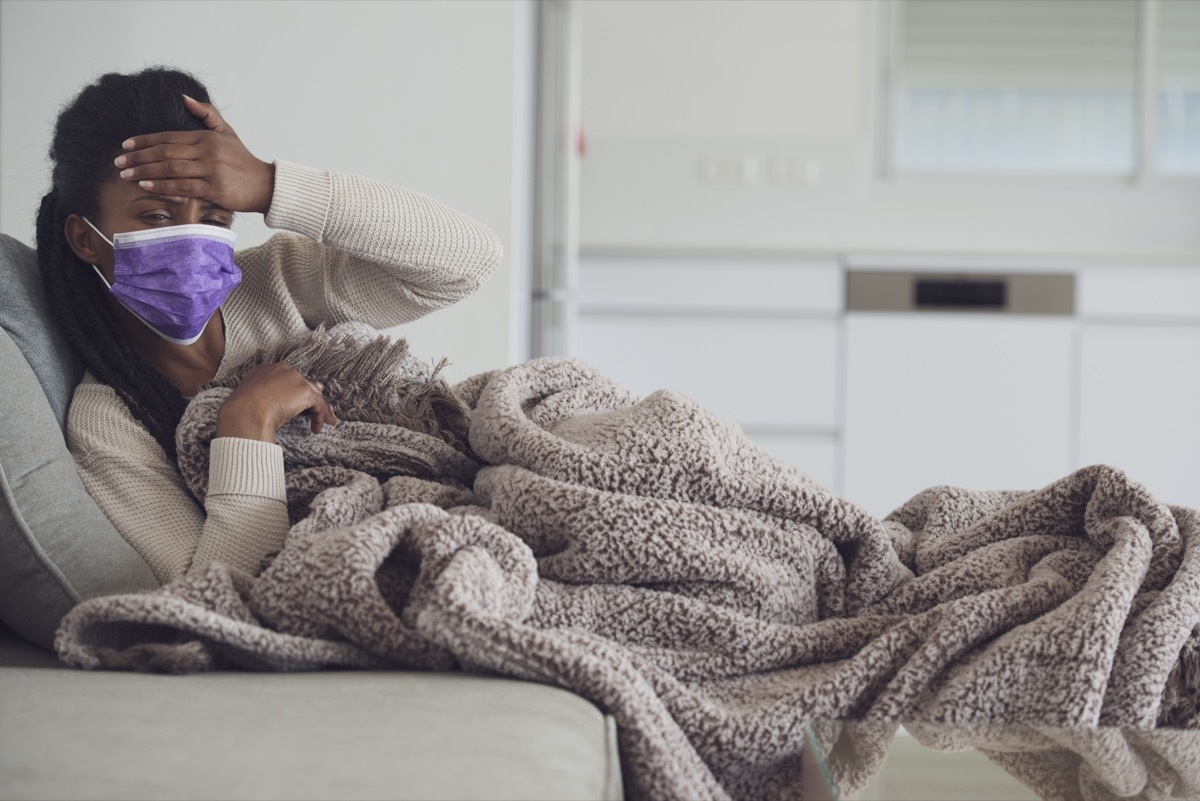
793	171
723	169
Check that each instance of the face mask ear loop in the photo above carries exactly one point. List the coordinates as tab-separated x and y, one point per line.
97	230
102	278
110	244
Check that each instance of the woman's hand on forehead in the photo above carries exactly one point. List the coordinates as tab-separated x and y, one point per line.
212	164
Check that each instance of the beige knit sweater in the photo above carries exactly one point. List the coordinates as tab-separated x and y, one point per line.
365	251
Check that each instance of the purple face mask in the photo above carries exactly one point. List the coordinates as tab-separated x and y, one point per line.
173	279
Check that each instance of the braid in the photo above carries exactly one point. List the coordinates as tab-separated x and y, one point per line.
82	314
87	136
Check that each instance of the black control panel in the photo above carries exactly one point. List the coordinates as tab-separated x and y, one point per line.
959	293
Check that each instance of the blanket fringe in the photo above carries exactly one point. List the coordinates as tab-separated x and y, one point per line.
371	379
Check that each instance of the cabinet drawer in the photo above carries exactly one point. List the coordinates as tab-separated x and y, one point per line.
759	372
1141	292
687	284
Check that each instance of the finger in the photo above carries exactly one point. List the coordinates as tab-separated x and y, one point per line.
184	187
317	389
322	415
207	113
187	151
167	170
161	138
318	411
327	414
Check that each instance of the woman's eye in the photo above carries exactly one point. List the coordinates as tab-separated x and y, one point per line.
217	221
155	217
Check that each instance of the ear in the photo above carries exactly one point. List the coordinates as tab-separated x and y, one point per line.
82	239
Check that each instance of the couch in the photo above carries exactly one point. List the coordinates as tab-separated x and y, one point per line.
67	733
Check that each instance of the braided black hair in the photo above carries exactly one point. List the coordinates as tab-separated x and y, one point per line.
87	137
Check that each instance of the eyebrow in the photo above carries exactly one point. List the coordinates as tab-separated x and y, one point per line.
174	201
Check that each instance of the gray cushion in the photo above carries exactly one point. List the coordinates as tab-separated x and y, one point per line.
56	546
67	734
25	315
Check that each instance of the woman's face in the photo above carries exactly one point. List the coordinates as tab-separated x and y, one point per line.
123	206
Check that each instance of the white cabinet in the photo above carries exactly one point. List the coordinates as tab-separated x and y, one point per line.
1140	405
1139	375
764	373
878	404
755	341
1146	294
977	401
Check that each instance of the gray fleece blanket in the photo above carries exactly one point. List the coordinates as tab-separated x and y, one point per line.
544	523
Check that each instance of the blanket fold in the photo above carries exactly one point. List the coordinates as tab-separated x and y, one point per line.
544	523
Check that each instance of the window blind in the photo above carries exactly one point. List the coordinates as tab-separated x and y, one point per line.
1017	85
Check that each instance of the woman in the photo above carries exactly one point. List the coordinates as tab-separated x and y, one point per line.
134	246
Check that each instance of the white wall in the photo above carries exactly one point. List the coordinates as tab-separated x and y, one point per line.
428	95
790	88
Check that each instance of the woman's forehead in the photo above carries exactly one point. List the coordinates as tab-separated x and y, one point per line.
117	195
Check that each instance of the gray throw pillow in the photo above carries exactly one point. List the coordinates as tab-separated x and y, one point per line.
25	315
56	547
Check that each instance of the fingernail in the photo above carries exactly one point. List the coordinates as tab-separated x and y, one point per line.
146	184
126	173
127	144
189	97
119	161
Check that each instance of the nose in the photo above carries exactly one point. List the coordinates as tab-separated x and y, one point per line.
191	212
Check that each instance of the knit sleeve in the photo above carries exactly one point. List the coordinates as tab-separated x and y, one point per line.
141	492
246	504
368	251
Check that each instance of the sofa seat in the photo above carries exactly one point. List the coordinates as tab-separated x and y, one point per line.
70	734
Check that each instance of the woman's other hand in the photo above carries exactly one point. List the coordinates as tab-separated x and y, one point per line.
268	397
212	164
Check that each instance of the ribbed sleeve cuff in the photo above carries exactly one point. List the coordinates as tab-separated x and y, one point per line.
246	467
301	200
